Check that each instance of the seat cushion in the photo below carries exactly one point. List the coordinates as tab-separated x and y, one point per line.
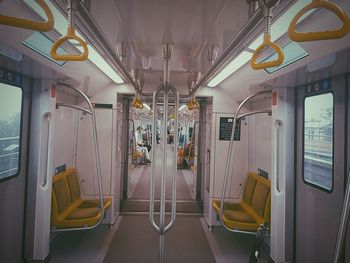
83	213
227	206
238	216
95	203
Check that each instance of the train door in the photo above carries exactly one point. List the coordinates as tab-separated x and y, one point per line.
320	162
14	128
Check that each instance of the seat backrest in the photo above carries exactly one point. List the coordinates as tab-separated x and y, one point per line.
73	183
262	198
60	192
249	188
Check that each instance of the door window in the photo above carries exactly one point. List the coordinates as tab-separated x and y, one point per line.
10	130
318	141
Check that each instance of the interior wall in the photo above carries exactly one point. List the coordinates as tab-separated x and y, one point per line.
65	132
260	126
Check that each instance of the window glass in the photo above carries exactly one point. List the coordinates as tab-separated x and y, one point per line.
318	141
10	129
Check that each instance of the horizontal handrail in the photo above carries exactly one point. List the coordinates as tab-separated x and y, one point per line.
9	138
323	35
30	24
73	107
269	112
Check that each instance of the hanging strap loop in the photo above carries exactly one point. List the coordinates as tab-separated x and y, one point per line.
267	10
70	36
267	43
137	102
29	24
323	35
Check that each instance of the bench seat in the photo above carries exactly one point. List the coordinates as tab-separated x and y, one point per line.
253	210
68	208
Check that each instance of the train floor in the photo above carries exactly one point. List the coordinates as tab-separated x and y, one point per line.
134	240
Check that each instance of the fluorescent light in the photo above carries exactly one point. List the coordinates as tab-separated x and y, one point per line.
182	107
146	106
232	67
280	26
61	25
41	44
292	53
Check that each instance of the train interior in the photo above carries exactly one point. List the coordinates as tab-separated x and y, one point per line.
149	131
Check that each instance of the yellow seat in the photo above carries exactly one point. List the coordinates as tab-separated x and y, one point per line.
253	210
68	208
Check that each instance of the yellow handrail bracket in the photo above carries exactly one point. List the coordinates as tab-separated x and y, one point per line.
270	64
29	24
70	36
323	35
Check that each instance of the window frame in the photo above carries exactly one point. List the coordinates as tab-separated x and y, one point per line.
323	189
16	85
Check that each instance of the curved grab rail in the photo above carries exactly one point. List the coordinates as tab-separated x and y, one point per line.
71	57
270	64
229	158
30	24
323	35
278	125
97	156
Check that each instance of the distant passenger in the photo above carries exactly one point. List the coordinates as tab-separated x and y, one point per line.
141	146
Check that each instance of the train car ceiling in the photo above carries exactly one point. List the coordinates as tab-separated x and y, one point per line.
198	29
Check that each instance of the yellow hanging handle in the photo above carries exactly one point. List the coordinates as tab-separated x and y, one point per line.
270	64
29	24
193	104
137	103
312	36
70	36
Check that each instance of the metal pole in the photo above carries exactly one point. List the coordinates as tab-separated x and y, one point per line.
344	220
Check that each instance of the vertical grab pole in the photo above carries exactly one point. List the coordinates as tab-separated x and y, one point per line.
161	229
174	170
344	220
153	161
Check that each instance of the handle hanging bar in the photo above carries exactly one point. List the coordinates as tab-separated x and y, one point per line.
323	35
268	11
229	157
97	155
29	24
71	9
